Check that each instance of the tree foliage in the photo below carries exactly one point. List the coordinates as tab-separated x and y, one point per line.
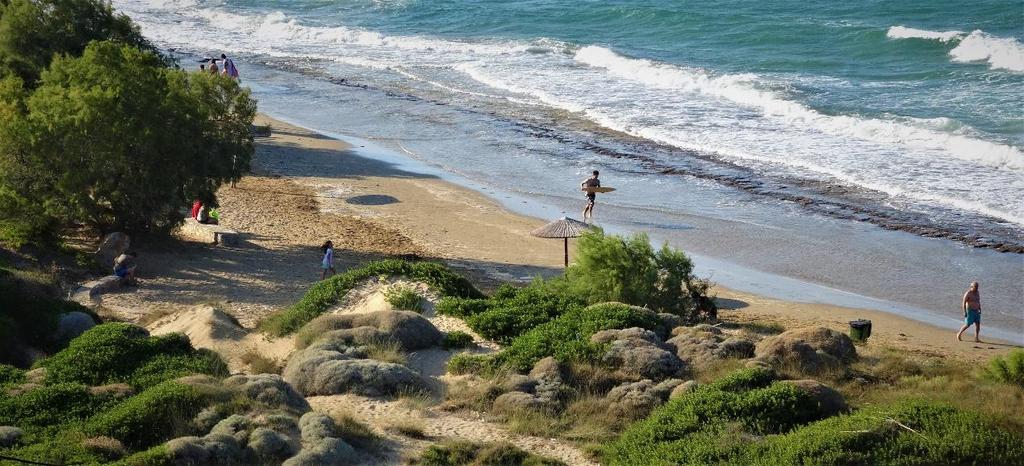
629	270
32	32
117	140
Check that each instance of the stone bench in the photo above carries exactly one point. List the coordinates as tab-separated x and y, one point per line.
192	230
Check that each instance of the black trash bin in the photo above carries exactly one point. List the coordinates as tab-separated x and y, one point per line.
860	330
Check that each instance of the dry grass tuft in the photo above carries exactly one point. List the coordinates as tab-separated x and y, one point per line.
408	426
355	432
110	448
260	364
387	351
471	393
416	399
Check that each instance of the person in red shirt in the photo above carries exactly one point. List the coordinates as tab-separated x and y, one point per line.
195	207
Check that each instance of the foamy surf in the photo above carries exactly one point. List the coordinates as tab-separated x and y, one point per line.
1000	53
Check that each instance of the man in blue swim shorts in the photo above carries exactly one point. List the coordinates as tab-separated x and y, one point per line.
972	312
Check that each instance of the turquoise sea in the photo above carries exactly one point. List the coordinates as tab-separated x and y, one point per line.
833	125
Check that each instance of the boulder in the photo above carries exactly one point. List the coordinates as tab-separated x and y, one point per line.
316	427
638	353
268	446
268	388
517	383
517	402
71	325
364	377
188	450
9	436
812	350
329	451
550	376
830	402
635	399
682	389
113	245
319	371
235	425
703	345
410	329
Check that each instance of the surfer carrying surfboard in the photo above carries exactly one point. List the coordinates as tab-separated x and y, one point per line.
587	187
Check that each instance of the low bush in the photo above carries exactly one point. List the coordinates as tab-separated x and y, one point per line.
404	298
567	338
746	418
260	364
456	339
119	352
514	313
158	413
327	293
461	453
908	432
469	364
1009	369
10	375
49	407
461	307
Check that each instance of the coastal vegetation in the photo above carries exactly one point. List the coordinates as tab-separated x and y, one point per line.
99	130
327	293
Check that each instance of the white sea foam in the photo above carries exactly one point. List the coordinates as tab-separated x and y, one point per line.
1000	53
903	32
741	90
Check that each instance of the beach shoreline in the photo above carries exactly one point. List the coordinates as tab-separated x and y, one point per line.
458	224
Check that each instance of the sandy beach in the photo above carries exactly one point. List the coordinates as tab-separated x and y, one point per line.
306	188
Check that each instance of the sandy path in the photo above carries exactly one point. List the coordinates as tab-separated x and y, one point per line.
438	425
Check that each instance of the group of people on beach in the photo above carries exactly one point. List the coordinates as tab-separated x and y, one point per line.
227	67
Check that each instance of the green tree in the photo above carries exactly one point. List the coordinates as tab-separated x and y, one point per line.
32	32
117	140
629	270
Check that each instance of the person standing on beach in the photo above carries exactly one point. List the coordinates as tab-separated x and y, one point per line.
591	182
229	66
972	312
327	264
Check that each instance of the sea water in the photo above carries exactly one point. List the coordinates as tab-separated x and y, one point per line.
776	136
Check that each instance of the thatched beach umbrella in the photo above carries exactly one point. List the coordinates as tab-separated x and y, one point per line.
563	228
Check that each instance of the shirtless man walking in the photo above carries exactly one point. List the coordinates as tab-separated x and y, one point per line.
972	312
591	182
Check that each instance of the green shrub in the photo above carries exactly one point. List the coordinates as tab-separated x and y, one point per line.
567	338
64	447
49	407
156	456
461	307
461	453
1009	369
327	293
404	298
940	434
456	339
148	418
10	375
514	313
629	270
470	364
746	379
119	352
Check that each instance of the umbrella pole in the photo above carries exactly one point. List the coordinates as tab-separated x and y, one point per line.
566	252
